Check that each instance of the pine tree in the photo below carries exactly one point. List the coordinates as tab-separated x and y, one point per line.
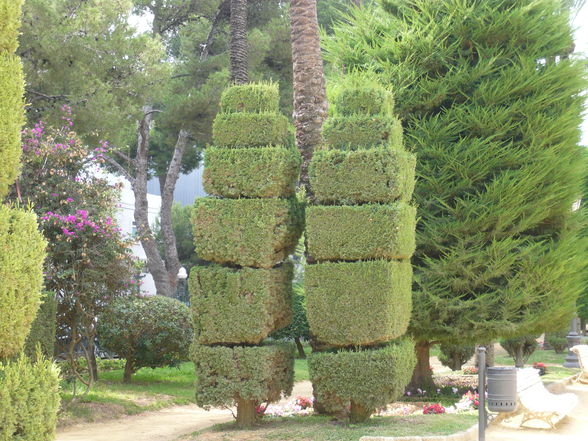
491	103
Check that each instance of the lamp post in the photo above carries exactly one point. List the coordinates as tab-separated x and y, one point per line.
573	339
181	290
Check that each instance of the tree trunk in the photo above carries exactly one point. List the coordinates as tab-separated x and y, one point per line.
167	200
301	353
422	376
129	371
92	364
139	184
358	413
238	43
519	358
310	98
246	413
489	354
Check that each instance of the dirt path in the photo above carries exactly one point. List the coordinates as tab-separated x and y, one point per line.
572	428
163	425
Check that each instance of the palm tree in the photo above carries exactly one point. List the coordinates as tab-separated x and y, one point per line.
238	43
310	98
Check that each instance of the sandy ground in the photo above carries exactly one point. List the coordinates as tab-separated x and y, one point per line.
163	425
572	428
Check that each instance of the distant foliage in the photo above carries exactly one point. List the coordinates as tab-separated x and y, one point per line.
520	348
298	328
148	332
558	341
455	356
43	328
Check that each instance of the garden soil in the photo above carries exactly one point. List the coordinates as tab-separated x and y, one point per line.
163	425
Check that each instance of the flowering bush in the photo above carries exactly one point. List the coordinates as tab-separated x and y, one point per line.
541	366
433	409
297	407
471	398
470	370
304	403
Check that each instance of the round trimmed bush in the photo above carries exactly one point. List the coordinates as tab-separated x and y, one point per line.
146	331
455	356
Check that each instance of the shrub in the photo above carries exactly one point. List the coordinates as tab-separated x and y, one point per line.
363	100
432	409
22	252
247	232
253	98
43	328
362	131
558	341
455	355
520	348
259	172
360	232
29	399
357	177
358	303
239	305
363	379
470	370
250	130
298	329
147	332
226	375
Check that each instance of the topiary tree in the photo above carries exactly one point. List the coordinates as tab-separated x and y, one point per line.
520	348
491	103
359	239
146	331
455	356
247	229
29	396
298	330
558	341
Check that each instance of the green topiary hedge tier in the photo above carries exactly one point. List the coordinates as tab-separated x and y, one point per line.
360	235
247	232
258	172
251	227
245	305
364	379
361	232
358	303
378	175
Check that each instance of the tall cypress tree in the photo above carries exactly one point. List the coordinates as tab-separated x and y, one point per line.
491	102
28	392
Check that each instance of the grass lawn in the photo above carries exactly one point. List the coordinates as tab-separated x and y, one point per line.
547	357
151	389
320	428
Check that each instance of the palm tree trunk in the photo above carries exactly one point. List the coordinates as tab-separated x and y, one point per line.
238	44
310	98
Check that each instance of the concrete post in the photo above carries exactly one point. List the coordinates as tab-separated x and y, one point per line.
573	339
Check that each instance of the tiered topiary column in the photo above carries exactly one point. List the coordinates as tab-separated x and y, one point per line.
247	229
29	396
360	236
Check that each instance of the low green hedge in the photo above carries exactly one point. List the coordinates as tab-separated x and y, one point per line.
360	232
43	328
240	305
247	232
371	378
362	176
361	131
367	100
258	373
252	97
250	129
22	253
29	400
259	172
358	303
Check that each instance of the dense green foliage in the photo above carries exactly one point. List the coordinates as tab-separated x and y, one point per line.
369	378
299	328
29	400
239	305
21	272
454	356
557	340
254	98
254	172
520	348
362	131
148	332
380	175
43	328
358	303
250	129
369	231
258	373
247	232
491	103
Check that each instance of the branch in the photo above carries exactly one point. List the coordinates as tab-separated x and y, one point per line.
47	97
123	171
221	13
122	156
